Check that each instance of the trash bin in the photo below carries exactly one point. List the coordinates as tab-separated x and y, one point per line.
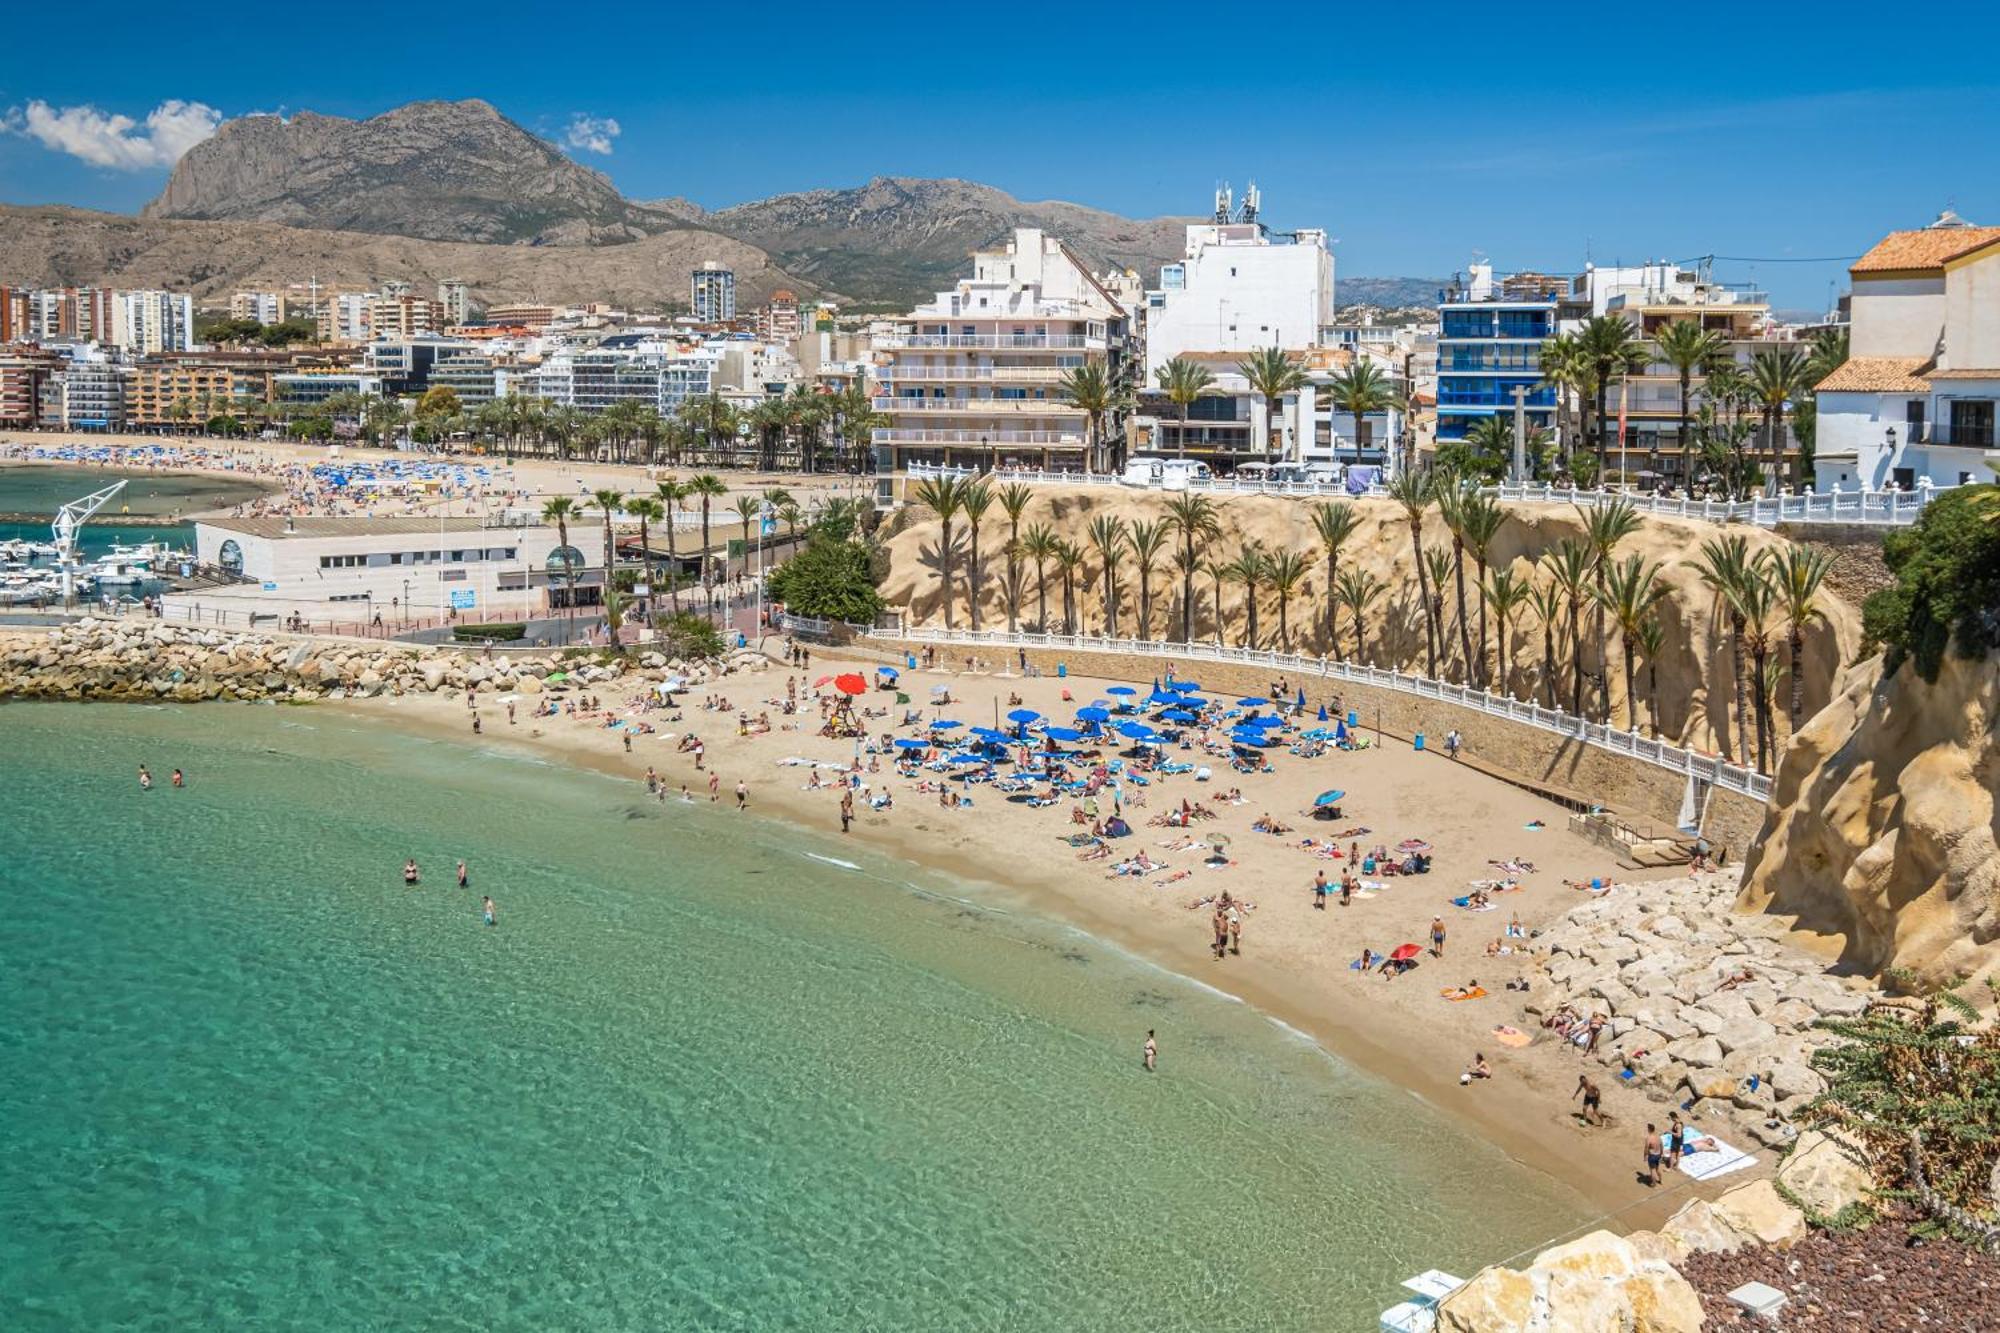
1353	718
1420	740
909	661
1061	671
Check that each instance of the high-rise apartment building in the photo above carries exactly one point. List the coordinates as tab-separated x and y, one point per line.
401	315
974	377
264	307
713	293
149	322
778	322
13	315
452	298
1489	344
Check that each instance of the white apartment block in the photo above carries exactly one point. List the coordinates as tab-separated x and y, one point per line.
1916	400
974	377
1240	287
627	366
454	299
264	307
712	293
146	323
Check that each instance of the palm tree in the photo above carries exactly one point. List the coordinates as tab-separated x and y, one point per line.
1193	521
1038	544
1249	568
1776	377
706	487
1069	560
976	500
1286	570
1434	568
1609	348
1014	497
1569	564
1414	491
1796	573
943	496
1186	565
559	511
671	493
1546	601
1107	536
1630	591
1088	389
609	502
1562	366
793	517
1758	600
1334	521
1272	374
1689	348
1148	539
1480	518
1603	528
648	511
1184	382
1453	496
1506	594
1652	644
1724	564
749	509
1217	571
1358	391
1830	347
1358	591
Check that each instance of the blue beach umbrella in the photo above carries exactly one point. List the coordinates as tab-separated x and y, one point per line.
908	743
988	733
1064	734
1263	723
1179	715
945	724
1024	715
1302	699
1184	686
966	759
1252	701
1121	689
1322	712
1162	697
1094	714
1137	731
1328	797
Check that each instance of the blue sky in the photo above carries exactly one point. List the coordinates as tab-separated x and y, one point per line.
1418	135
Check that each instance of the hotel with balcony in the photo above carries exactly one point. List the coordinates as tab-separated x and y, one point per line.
1489	344
974	378
1916	400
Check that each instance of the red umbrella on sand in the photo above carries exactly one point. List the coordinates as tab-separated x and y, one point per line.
850	684
1404	953
821	681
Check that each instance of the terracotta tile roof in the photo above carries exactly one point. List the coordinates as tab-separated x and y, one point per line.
1963	373
1930	248
1878	374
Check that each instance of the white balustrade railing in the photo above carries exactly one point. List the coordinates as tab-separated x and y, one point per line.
1678	759
1879	508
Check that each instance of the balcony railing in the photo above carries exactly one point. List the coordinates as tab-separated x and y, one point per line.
969	374
1948	434
975	406
994	341
1052	438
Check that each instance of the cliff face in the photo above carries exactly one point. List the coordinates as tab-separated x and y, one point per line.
1693	688
1882	832
442	171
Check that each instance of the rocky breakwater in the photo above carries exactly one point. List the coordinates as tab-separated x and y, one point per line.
1705	1005
152	661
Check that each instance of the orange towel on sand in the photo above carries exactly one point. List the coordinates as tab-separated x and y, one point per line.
1454	994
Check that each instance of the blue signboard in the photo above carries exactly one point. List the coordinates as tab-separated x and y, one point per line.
462	599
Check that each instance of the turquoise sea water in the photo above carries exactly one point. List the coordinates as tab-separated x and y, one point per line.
45	489
695	1078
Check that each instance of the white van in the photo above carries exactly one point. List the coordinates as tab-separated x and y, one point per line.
1170	474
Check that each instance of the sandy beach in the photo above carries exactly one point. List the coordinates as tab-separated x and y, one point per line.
1294	963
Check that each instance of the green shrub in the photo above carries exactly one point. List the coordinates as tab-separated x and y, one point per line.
500	633
1947	568
829	580
684	634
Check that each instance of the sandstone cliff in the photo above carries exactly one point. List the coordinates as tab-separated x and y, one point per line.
1694	692
1881	836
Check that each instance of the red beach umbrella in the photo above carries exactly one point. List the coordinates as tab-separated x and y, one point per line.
1405	952
850	684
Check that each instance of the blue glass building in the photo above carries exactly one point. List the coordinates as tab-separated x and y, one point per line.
1488	345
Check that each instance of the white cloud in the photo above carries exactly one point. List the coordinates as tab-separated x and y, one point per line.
591	134
106	139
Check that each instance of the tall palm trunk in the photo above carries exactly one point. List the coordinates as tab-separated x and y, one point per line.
1217	603
1796	646
1687	450
1601	646
1187	588
974	575
1464	629
1480	582
1631	695
1549	662
1576	655
1042	597
1757	656
1736	670
1431	626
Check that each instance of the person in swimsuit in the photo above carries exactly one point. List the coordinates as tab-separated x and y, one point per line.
178	780
486	905
410	872
1592	1099
464	880
145	779
1437	936
742	794
1319	890
1654	1151
846	809
1676	1136
1235	929
1152	1052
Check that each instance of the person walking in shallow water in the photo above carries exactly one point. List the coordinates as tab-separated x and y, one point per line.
464	880
486	906
145	778
1152	1052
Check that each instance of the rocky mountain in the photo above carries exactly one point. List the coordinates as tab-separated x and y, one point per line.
900	239
1387	293
441	171
61	247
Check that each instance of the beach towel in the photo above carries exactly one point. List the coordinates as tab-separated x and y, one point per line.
1708	1163
1510	1036
1454	994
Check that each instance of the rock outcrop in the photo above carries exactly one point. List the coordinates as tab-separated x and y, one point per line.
1693	689
1881	836
1705	1003
150	661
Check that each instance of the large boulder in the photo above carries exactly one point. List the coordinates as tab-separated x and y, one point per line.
1752	1214
1600	1283
1825	1174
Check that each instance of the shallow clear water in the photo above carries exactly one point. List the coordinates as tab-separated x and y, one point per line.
45	489
693	1079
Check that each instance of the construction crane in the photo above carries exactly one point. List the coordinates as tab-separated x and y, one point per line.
68	519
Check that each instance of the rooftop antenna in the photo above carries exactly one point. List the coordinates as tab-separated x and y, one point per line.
1252	201
1224	201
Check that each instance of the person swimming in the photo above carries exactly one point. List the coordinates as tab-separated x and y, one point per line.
411	875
